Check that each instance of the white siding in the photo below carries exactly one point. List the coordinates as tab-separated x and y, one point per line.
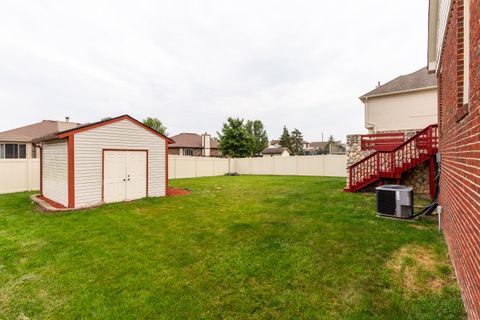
119	135
55	172
406	111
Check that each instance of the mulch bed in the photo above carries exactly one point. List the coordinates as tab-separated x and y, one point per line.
176	192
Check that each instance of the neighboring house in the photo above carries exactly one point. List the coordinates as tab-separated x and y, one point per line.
114	160
315	148
192	144
334	148
308	148
275	144
17	143
408	102
454	56
276	152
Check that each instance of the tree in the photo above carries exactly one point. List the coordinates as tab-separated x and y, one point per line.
296	138
156	125
285	139
259	134
330	142
235	141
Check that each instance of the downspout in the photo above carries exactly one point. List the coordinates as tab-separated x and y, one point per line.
41	166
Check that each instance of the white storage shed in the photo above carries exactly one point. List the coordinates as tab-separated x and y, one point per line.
119	159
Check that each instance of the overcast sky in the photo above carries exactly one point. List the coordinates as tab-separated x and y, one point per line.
192	64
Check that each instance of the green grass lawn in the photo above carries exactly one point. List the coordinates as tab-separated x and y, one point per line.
238	247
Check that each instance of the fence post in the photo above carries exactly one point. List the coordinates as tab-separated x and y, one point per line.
29	174
324	162
196	171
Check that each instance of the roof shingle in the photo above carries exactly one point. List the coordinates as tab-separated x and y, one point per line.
419	79
190	140
34	131
273	150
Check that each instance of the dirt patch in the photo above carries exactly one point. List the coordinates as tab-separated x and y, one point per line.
418	226
419	270
176	192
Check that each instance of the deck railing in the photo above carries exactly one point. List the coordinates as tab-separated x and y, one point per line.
382	141
391	164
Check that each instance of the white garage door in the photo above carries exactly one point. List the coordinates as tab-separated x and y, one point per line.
125	175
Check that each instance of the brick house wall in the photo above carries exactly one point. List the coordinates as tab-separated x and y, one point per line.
460	150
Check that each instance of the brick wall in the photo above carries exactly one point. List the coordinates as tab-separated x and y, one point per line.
460	149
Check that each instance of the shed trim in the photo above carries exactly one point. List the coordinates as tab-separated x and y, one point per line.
71	132
41	169
71	171
166	168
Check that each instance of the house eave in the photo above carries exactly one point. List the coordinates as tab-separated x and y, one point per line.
15	141
364	98
432	35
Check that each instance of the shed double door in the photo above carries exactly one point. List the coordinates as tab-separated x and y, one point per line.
125	175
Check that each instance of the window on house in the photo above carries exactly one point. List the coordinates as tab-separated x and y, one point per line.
188	152
22	151
13	151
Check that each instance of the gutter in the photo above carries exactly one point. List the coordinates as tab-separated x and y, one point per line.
364	98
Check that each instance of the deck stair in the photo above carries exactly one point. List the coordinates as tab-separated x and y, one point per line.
387	164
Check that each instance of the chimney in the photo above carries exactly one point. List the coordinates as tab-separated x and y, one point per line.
65	125
206	144
378	84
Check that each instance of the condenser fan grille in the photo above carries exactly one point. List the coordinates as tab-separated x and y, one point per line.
395	201
386	203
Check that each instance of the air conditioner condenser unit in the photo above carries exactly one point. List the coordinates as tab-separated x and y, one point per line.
394	201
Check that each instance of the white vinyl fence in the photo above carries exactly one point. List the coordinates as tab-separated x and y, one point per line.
192	167
24	175
322	166
19	175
